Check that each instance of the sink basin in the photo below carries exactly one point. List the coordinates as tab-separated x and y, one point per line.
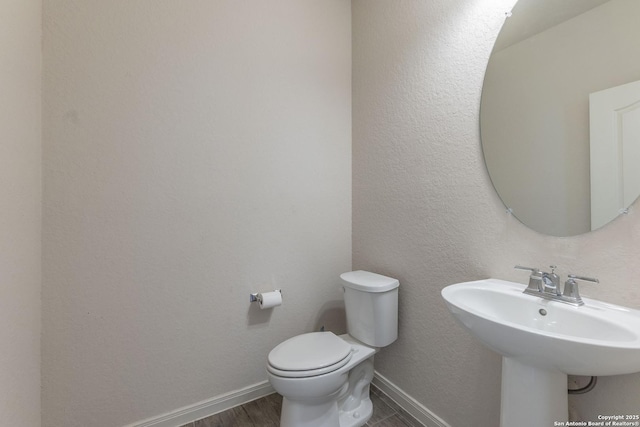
542	341
594	339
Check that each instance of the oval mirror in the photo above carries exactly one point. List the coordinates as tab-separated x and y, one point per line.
560	113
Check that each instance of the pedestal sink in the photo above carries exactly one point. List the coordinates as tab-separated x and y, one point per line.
541	342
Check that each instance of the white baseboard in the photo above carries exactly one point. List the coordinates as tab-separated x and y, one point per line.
208	407
408	403
230	400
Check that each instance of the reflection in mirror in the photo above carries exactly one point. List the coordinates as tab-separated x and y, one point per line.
548	160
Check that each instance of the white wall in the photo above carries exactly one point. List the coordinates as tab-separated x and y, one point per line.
548	151
20	212
424	209
194	152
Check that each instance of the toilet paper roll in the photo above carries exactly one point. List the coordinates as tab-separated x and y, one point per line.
269	299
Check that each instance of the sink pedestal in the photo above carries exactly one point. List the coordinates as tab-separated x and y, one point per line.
532	396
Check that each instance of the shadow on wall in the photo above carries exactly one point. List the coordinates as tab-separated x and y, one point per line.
331	316
257	316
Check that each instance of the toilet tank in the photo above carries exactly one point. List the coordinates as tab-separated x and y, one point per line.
371	305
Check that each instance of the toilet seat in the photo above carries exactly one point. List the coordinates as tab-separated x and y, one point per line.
308	355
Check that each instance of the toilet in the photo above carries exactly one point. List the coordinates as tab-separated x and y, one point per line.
324	378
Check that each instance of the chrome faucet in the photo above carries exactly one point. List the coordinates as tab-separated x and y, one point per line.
551	281
547	286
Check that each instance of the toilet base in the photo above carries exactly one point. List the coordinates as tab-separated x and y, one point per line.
296	414
359	416
355	405
350	406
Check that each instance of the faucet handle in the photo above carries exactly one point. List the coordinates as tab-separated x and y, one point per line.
535	280
584	279
533	270
571	286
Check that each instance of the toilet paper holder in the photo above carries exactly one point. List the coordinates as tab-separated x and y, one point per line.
256	297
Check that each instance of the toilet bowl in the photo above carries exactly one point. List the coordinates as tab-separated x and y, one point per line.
338	395
324	378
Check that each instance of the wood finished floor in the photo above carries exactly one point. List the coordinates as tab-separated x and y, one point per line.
265	412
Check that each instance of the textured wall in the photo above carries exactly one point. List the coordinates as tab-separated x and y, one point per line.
424	209
194	152
20	211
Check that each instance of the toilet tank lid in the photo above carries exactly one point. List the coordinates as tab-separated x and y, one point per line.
368	282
